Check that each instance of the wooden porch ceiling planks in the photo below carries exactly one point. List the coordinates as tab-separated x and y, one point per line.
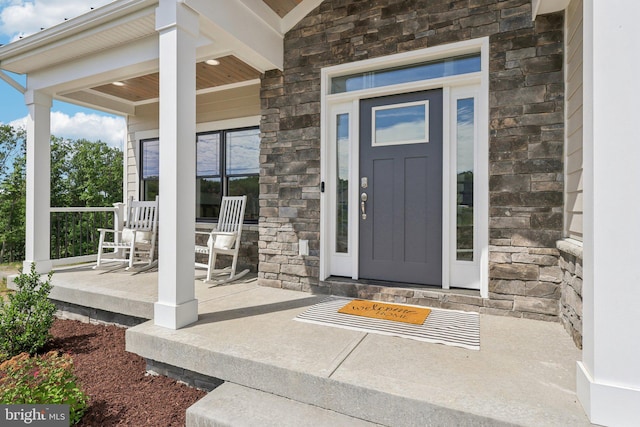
230	70
282	7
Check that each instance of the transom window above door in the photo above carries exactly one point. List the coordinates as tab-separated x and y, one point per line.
227	164
446	67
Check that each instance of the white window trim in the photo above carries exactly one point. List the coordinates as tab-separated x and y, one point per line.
330	102
340	261
374	138
465	274
241	122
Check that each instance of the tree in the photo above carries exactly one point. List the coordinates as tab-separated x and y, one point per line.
12	193
83	174
11	144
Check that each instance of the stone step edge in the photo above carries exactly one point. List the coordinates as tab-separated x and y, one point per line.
233	405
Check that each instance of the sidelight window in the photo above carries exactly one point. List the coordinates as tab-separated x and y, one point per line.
342	183
465	143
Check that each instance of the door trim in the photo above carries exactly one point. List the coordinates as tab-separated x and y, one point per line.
348	102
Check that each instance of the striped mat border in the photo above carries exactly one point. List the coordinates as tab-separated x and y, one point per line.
449	327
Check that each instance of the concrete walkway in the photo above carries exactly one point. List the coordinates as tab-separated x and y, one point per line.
524	373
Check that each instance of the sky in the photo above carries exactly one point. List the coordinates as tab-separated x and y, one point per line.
20	18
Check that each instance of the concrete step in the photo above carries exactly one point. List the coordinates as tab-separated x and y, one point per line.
522	375
382	404
232	405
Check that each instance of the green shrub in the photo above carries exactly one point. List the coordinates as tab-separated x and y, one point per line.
46	379
26	318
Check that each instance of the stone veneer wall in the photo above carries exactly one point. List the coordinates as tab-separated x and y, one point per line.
526	135
571	299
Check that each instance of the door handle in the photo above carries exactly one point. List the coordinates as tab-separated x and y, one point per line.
363	207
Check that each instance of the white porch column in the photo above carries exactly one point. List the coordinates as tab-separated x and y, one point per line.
608	383
38	236
178	29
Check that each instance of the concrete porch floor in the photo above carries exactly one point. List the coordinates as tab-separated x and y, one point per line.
282	372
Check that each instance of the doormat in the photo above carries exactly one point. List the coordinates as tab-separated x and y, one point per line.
449	327
381	310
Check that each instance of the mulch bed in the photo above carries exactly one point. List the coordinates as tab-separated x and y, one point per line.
120	391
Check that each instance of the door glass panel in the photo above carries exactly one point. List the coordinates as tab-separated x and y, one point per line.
465	138
408	73
403	124
342	190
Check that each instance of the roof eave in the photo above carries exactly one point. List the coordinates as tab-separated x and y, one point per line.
110	12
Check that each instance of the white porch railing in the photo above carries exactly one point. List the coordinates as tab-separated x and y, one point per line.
74	231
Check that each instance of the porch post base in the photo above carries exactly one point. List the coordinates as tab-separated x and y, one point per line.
606	404
42	266
175	316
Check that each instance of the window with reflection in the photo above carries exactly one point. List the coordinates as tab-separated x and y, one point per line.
227	163
342	183
208	176
150	165
409	73
242	167
400	124
465	142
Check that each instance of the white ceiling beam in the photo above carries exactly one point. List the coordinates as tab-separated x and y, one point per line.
134	59
250	31
298	13
99	101
264	12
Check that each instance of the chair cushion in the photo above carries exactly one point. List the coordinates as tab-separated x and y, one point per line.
141	236
222	241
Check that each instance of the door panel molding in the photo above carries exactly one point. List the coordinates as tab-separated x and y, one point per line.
404	192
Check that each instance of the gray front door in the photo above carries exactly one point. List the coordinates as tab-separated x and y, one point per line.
401	188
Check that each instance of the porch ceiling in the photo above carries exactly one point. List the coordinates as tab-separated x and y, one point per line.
78	59
282	7
144	88
135	29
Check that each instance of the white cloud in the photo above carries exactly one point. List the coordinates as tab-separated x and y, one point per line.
20	18
92	127
403	131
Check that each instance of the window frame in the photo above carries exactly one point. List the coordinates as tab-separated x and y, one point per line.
223	176
142	180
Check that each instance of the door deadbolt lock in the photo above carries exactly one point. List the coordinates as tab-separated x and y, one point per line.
364	182
363	205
